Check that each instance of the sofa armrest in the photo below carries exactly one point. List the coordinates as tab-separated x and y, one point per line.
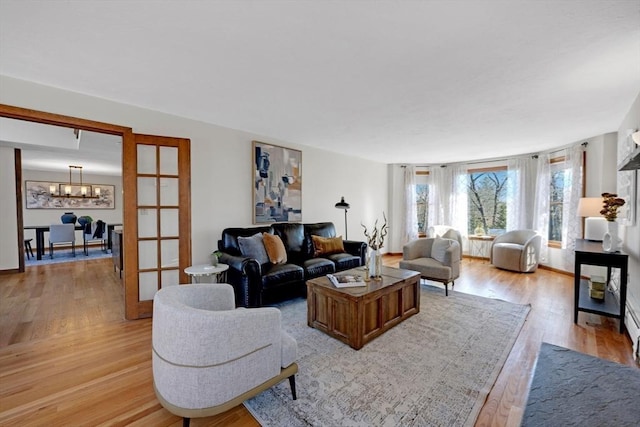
356	248
245	275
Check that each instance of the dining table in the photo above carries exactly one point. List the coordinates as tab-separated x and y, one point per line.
41	229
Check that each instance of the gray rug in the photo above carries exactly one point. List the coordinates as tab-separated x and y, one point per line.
66	255
434	369
575	389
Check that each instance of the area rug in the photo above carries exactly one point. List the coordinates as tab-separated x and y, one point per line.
575	389
434	369
66	255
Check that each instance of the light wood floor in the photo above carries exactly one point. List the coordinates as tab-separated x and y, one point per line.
67	357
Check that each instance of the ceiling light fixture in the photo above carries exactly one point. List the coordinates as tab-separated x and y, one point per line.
75	191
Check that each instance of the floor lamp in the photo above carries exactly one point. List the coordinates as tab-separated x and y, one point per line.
344	205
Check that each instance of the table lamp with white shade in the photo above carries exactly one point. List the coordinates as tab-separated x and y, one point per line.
595	225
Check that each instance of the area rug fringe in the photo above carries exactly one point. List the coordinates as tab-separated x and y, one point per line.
436	368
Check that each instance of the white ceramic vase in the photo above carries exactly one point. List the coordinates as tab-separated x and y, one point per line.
611	241
375	263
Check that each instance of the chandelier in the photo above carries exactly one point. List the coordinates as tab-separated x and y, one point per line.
74	190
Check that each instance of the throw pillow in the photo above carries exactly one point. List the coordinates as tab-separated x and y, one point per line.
275	248
253	247
439	248
327	245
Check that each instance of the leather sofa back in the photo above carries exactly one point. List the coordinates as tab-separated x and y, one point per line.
322	229
229	241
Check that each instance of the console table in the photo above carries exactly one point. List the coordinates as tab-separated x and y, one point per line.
591	253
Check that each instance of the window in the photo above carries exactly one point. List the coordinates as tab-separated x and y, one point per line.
487	195
559	180
422	201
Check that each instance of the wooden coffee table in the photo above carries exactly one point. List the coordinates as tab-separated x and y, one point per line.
357	315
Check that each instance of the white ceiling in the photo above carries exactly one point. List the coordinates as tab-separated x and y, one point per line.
391	81
54	148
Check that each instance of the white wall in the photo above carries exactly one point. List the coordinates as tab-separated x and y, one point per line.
9	222
221	168
52	216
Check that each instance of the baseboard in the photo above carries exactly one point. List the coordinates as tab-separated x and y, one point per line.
555	270
632	322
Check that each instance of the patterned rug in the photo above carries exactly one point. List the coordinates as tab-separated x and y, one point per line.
434	369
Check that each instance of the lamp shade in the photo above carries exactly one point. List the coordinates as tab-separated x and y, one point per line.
590	206
636	137
342	204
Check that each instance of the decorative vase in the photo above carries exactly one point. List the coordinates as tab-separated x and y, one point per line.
611	241
84	220
68	218
214	260
375	264
479	231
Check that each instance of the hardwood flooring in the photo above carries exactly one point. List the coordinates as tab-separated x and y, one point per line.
67	357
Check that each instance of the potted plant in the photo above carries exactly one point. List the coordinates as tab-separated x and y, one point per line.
215	257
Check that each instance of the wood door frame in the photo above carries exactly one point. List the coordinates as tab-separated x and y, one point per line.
133	307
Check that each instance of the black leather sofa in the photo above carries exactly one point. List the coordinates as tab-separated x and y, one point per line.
256	285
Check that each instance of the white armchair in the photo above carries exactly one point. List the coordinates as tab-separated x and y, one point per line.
209	356
516	250
435	259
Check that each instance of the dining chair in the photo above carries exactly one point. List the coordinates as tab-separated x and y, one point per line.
94	231
62	233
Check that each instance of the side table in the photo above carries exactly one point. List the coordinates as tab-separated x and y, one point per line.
218	272
591	253
479	246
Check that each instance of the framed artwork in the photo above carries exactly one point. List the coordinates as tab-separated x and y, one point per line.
627	182
277	184
38	196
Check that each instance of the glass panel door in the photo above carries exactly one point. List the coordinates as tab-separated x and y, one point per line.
162	216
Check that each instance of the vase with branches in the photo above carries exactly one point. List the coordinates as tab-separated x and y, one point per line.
375	240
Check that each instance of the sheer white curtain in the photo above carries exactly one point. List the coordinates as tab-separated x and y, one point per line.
521	186
571	196
542	204
439	195
410	220
459	202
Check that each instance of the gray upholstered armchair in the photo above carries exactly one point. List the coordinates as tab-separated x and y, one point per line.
446	232
209	356
436	259
516	250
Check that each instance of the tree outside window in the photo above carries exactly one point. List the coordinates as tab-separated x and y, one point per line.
487	193
422	201
558	182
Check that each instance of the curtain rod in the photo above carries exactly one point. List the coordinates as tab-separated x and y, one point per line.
502	159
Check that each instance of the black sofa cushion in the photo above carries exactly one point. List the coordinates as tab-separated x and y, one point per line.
316	267
344	261
292	235
277	274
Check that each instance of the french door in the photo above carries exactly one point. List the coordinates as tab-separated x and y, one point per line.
157	211
156	179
